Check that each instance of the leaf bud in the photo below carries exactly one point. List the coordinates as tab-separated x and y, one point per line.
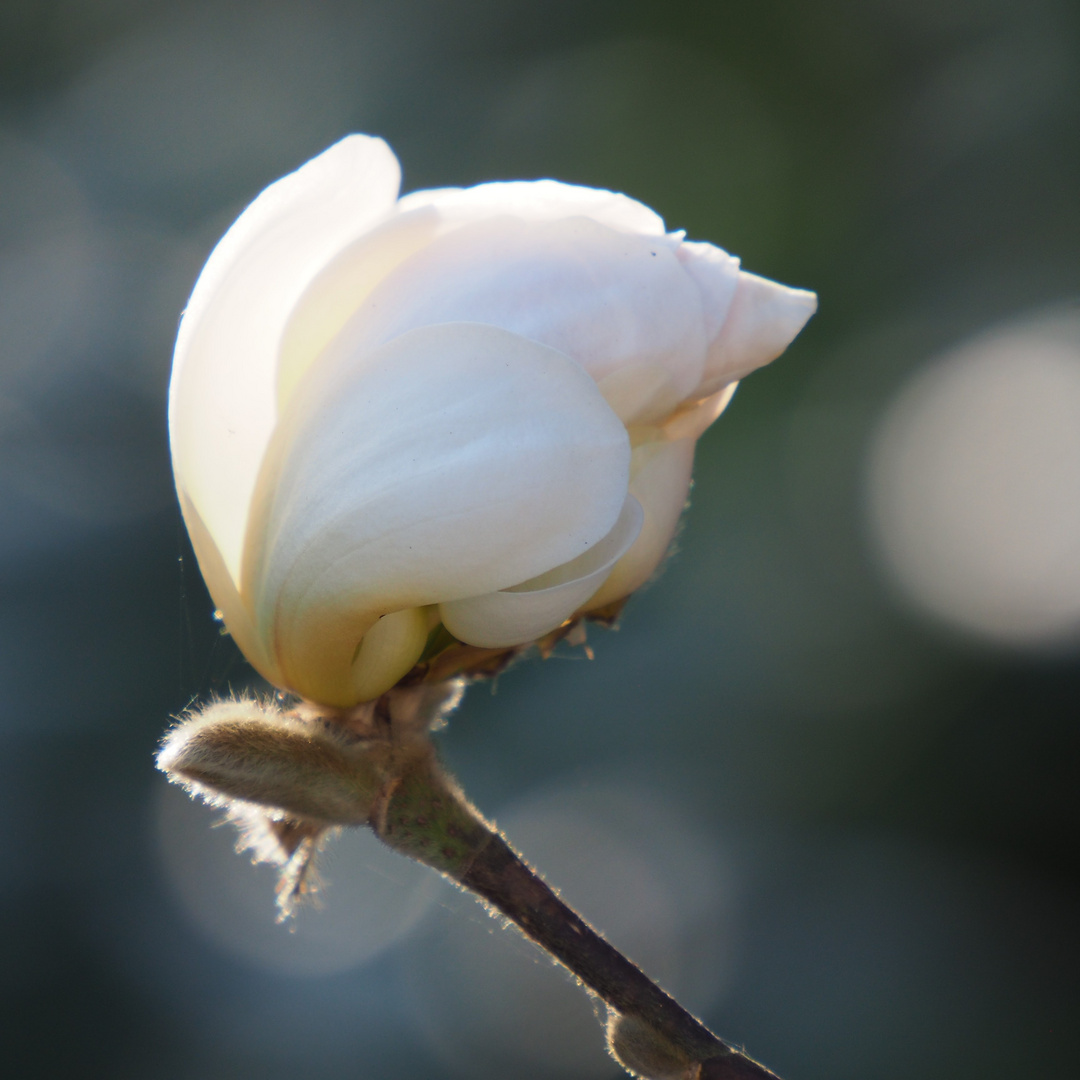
252	751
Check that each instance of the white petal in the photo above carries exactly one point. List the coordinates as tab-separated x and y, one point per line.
454	461
527	611
223	395
539	200
660	481
762	321
614	302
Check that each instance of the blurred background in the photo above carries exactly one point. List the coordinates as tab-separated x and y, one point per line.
823	782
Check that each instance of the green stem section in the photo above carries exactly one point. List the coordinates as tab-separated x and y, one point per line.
422	814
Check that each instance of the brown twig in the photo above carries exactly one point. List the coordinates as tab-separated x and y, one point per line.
426	817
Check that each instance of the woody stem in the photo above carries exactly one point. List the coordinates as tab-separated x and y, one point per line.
424	815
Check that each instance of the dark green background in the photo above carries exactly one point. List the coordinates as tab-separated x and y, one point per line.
900	802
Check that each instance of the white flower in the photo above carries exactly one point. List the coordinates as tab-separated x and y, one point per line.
475	405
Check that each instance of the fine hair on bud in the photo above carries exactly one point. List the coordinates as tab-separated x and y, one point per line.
425	706
249	750
290	845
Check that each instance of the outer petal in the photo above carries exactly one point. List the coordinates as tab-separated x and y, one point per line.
539	200
622	305
762	321
660	481
529	610
223	396
454	461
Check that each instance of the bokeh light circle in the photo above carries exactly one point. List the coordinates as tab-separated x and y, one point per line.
372	897
975	484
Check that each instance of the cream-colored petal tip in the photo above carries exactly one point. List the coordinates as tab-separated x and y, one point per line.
527	611
789	308
762	321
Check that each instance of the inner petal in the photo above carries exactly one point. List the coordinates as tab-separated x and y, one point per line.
223	394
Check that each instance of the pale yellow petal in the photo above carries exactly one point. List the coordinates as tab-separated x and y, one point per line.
388	651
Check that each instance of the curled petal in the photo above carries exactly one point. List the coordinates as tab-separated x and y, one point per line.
660	481
454	461
762	321
529	610
223	395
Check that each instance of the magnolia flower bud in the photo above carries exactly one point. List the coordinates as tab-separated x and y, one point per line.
470	406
